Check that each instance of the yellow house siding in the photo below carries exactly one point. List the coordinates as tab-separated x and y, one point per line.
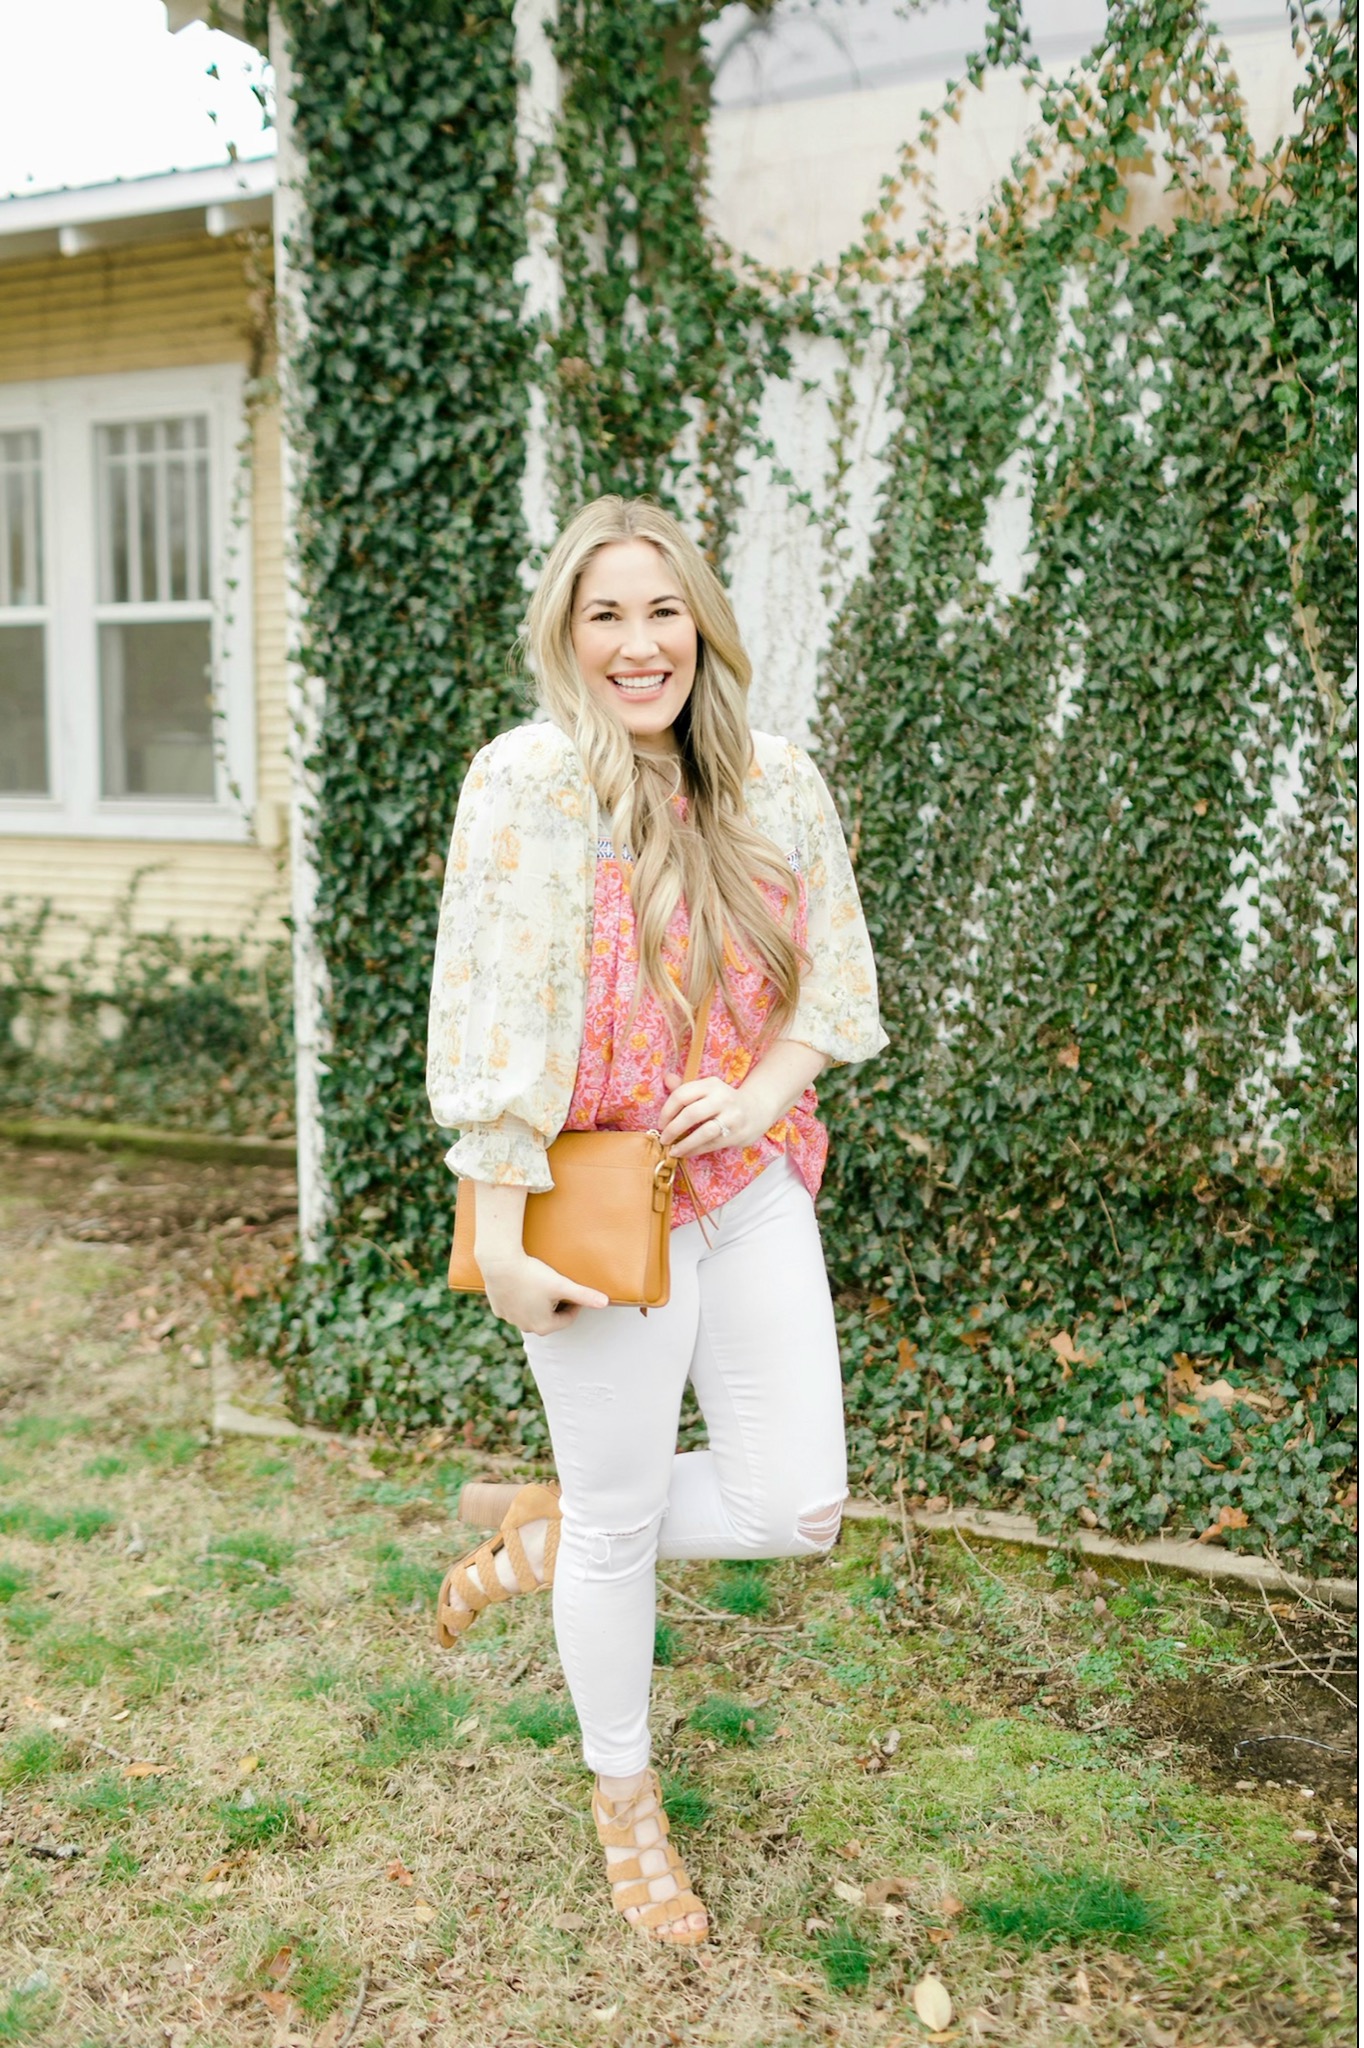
164	305
152	306
218	891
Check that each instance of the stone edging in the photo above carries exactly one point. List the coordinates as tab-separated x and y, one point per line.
1201	1560
74	1134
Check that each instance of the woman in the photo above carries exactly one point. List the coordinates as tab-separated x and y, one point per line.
609	866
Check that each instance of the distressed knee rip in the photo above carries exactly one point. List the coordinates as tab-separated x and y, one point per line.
611	1553
819	1526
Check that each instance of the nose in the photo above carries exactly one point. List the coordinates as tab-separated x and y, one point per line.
639	645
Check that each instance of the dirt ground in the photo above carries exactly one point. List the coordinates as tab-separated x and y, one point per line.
245	1800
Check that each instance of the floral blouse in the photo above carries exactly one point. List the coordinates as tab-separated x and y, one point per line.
509	996
628	1046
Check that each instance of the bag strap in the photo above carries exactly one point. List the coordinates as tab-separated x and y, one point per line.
698	1035
690	1073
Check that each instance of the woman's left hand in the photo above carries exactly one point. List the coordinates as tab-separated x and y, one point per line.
706	1116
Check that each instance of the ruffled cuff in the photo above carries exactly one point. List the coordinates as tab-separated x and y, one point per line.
507	1154
844	1036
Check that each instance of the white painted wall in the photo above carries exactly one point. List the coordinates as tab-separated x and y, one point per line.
790	181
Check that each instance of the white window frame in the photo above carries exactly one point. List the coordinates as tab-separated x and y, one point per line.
66	412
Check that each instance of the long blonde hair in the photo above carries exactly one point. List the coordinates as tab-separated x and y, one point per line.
715	860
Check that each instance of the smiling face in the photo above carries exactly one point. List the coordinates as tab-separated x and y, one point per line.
635	640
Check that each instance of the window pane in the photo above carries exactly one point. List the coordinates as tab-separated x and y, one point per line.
153	509
178	521
23	712
156	711
21	518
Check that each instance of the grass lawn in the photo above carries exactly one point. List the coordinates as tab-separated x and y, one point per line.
244	1799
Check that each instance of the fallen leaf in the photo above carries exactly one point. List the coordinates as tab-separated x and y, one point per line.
140	1768
1069	1353
568	1923
938	1935
906	1356
933	2003
1184	1374
1227	1518
604	2012
424	1912
851	1894
884	1889
878	1306
280	1964
951	1905
277	2002
1082	1993
1069	1056
850	1851
246	1764
399	1871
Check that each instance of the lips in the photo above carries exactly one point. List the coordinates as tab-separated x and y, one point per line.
647	683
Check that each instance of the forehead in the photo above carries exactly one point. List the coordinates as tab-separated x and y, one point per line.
625	568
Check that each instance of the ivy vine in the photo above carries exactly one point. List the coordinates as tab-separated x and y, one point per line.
1098	791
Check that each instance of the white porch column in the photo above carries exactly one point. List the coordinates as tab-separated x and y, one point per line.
306	692
538	271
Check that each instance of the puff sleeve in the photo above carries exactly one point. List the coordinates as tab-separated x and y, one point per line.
509	986
838	1013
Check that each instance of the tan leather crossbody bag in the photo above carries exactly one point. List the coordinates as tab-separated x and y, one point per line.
607	1220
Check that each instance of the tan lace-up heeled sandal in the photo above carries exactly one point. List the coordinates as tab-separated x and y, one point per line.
473	1579
618	1824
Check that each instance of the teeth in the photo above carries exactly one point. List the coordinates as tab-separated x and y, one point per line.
638	682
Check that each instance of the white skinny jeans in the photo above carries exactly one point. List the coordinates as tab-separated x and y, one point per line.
751	1324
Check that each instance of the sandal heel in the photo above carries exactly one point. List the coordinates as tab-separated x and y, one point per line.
473	1580
484	1502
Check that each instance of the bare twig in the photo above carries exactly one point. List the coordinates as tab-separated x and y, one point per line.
1301	1662
1333	1660
977	1563
1122	1295
1342	1853
327	1884
354	2021
104	1750
547	1799
757	1628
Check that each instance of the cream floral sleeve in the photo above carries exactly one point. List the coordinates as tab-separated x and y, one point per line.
509	987
838	1013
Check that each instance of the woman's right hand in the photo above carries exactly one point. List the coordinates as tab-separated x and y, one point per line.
527	1292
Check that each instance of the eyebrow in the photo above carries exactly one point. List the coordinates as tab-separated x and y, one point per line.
668	597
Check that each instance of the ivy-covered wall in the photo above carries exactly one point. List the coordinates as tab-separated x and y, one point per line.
1087	713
